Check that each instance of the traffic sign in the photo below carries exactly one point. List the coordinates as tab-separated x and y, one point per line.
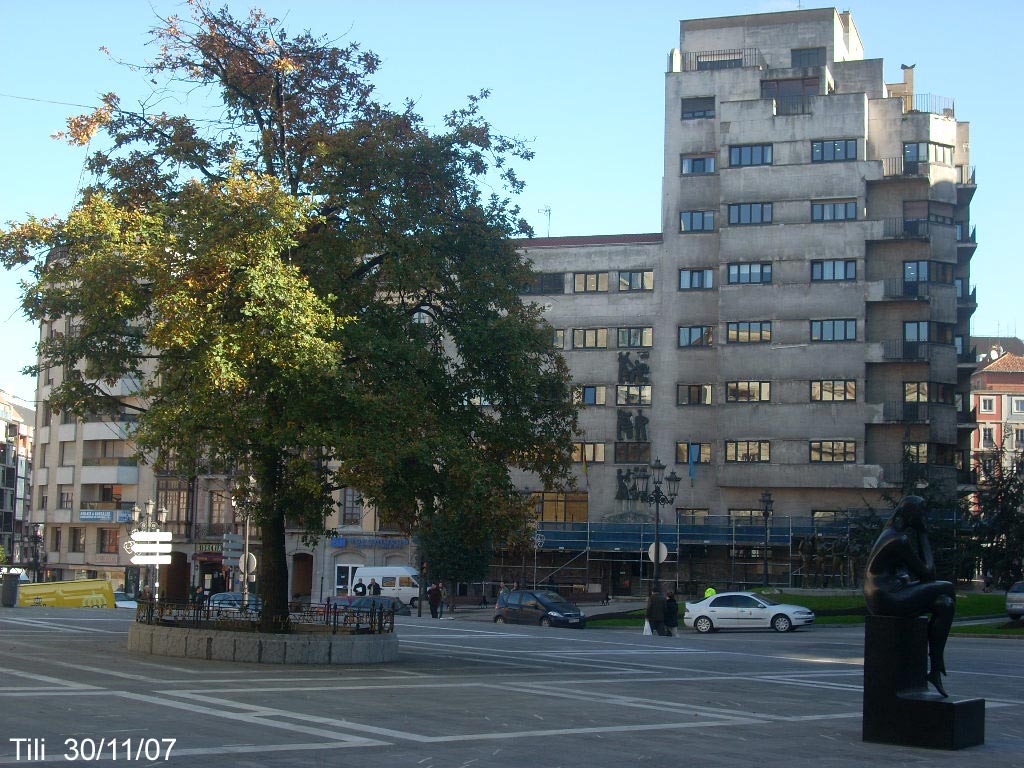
231	549
247	564
662	553
151	547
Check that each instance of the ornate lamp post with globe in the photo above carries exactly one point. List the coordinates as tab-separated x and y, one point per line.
642	491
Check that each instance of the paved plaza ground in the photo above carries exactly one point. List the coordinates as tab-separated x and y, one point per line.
469	693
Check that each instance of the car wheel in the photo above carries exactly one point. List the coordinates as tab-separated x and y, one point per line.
703	624
414	602
499	619
782	623
545	621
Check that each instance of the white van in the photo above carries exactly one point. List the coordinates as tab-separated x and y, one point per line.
399	581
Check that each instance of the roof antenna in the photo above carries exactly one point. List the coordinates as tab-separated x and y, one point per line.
547	211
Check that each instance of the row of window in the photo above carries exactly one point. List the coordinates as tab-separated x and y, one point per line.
822	270
822	151
736	451
820	390
589	282
108	540
741	214
759	331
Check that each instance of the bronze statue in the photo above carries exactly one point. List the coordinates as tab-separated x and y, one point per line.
900	581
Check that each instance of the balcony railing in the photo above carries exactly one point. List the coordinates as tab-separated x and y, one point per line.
897	288
963	236
936	105
897	166
968	357
965	174
793	105
905	228
212	530
110	461
907	413
729	58
898	349
116	505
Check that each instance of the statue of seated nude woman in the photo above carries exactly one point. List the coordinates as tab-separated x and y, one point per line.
900	581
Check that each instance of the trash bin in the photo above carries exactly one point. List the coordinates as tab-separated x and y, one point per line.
9	591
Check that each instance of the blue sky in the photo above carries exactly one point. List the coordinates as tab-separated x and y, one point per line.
583	81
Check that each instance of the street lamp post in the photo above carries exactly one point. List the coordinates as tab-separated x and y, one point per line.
640	486
766	509
150	519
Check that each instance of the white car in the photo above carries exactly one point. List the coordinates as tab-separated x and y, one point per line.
743	610
121	600
1015	601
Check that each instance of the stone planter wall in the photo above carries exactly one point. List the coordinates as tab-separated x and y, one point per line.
252	647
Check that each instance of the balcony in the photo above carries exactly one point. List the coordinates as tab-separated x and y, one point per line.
793	105
967	419
969	303
898	288
728	58
905	229
212	530
929	102
900	350
906	473
897	167
965	184
897	411
968	359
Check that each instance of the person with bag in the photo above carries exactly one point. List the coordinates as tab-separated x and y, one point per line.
671	614
434	599
656	612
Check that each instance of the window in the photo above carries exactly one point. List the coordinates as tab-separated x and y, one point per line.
833	330
748	391
76	540
67	454
927	152
696	336
632	453
925	210
55	539
838	210
927	272
833	150
107	541
589	338
641	280
693	516
792	95
591	453
750	154
351	507
635	337
590	394
916	453
800	58
558	507
749	332
696	279
833	269
987	404
697	221
1017	405
558	338
693	453
545	283
590	282
834	390
693	394
988	439
699	107
633	394
747	451
929	392
1018	441
750	273
67	496
750	213
927	330
697	164
833	451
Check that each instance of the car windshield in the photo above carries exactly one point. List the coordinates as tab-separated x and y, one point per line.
1018	587
555	600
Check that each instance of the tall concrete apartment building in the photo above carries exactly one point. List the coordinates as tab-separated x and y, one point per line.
800	326
18	536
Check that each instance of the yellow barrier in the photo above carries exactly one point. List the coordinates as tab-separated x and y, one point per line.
83	593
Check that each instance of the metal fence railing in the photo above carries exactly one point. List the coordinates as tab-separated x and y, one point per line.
332	618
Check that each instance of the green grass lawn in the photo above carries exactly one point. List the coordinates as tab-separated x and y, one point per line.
842	609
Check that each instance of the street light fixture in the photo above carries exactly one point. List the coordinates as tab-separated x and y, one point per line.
641	482
149	519
766	509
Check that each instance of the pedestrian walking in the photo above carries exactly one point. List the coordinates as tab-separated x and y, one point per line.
656	611
434	599
359	589
671	614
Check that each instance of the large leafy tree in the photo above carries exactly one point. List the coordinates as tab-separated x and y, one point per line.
308	285
998	512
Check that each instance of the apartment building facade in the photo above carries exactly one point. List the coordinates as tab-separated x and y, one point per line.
998	399
18	535
801	325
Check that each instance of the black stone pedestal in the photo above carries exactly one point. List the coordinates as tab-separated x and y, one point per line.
899	707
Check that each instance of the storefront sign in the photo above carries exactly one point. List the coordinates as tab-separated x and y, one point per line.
368	542
96	515
208	547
